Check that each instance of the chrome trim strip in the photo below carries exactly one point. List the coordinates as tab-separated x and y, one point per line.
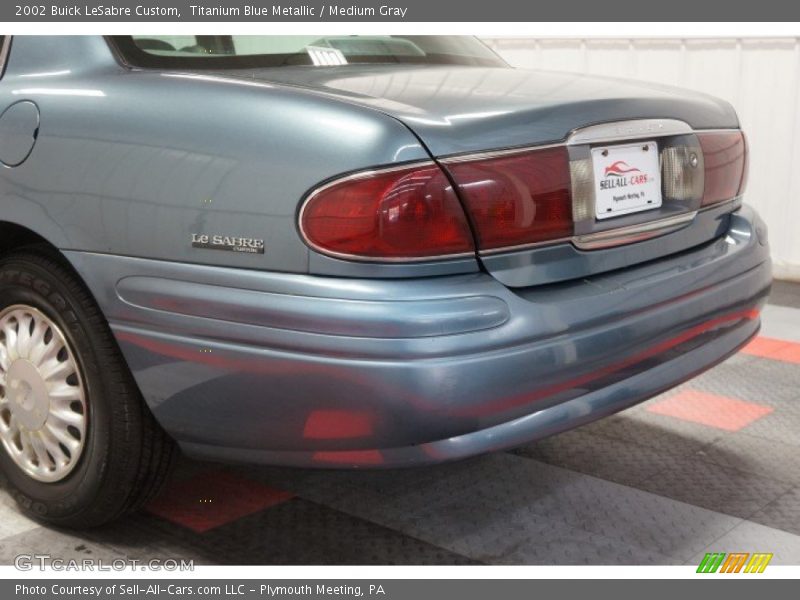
4	54
721	130
393	260
370	259
584	242
611	237
632	233
605	132
452	160
504	249
720	203
628	130
369	173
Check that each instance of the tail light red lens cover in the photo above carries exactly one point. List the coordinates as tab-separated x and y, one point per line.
516	199
725	158
395	214
512	199
746	167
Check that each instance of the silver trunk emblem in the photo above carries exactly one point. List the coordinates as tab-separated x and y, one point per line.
229	243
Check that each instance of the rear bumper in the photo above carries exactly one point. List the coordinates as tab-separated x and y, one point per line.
312	371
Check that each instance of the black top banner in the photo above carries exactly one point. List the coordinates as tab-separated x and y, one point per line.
400	10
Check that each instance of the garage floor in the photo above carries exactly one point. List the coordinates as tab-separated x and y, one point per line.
712	465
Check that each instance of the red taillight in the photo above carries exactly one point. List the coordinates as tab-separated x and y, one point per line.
725	158
746	167
517	199
399	214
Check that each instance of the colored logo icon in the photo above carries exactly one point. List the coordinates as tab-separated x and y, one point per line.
734	562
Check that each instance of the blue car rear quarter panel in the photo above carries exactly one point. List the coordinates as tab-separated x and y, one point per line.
134	162
280	383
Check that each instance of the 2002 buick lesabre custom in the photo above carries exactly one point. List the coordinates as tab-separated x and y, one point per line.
344	252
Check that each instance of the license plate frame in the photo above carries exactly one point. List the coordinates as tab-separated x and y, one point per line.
627	179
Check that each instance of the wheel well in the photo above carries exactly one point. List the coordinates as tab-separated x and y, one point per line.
13	236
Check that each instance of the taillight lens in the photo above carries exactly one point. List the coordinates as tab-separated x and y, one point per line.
725	159
746	168
399	214
517	199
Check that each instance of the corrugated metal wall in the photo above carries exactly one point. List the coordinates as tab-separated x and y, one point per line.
760	77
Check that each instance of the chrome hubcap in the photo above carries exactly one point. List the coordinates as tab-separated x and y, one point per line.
42	401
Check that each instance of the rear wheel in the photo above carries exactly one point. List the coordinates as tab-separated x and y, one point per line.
78	445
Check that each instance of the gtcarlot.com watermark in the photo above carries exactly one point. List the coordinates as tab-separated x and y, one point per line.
42	562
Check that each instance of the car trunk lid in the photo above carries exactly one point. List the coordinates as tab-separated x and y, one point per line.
639	139
455	109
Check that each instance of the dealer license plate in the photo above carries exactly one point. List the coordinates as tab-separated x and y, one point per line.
627	179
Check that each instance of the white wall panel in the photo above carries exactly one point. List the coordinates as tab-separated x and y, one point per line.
760	77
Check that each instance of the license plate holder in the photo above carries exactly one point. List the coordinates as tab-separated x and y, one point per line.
627	179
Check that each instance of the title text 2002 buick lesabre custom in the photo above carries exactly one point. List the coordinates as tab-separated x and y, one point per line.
344	252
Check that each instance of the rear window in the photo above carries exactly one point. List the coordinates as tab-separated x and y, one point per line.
247	51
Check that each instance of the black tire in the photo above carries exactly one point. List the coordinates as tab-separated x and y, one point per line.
126	456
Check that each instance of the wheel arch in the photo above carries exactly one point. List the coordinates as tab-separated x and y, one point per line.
14	236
